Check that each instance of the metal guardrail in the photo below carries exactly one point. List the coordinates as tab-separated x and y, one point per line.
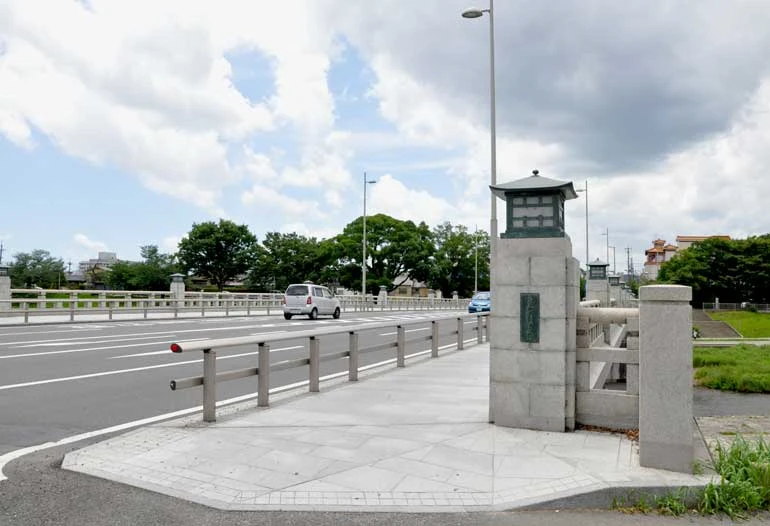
210	376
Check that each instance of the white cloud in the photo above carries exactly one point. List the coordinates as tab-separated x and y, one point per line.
170	244
267	200
392	197
669	122
82	240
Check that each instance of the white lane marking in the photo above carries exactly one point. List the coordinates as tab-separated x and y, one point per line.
73	340
62	344
84	329
166	351
132	370
153	353
410	330
68	351
13	455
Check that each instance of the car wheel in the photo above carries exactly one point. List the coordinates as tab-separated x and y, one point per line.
336	314
286	316
313	314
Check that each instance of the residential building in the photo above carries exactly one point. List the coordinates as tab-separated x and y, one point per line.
661	252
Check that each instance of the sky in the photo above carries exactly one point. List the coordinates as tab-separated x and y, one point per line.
123	123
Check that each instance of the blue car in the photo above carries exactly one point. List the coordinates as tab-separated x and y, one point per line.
480	302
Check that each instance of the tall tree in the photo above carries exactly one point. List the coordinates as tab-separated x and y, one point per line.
37	268
734	271
396	251
153	273
285	259
455	264
218	251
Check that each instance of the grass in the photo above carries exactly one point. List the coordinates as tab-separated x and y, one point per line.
743	368
743	488
748	324
744	485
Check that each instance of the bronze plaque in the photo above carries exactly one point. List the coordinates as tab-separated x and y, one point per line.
530	317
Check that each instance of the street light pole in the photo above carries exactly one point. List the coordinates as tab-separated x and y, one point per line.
363	261
586	192
476	250
476	13
613	259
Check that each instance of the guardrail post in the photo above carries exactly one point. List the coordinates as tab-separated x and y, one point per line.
209	385
248	306
73	304
144	310
460	326
227	306
479	330
263	376
26	312
434	339
315	364
203	306
109	312
176	307
400	345
353	359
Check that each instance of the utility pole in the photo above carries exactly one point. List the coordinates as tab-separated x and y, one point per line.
606	233
628	260
476	250
1	251
613	259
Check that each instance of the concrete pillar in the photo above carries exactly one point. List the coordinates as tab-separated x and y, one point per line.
532	334
382	298
177	288
5	289
665	378
597	283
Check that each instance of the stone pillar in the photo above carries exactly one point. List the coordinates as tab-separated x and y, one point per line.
5	289
665	378
177	289
382	298
597	284
533	334
532	327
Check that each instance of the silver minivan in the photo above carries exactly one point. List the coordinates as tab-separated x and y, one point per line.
311	300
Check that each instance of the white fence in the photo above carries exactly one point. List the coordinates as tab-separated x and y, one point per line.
28	303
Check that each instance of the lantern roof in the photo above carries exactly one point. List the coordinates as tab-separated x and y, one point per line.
534	183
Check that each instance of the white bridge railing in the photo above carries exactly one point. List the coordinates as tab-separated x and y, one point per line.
607	350
27	303
314	359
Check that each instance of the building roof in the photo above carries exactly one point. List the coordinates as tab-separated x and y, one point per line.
693	239
535	182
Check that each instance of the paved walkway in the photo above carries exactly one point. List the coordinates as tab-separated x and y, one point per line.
413	439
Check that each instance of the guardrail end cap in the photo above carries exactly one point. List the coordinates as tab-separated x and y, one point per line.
175	347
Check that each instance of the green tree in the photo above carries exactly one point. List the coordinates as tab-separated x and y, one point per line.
455	262
153	273
396	251
218	251
285	259
734	270
37	268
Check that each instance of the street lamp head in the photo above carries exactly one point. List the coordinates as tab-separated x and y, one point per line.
473	13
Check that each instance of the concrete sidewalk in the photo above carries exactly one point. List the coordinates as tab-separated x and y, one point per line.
413	439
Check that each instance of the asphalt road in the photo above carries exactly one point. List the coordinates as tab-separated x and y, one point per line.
62	380
57	381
